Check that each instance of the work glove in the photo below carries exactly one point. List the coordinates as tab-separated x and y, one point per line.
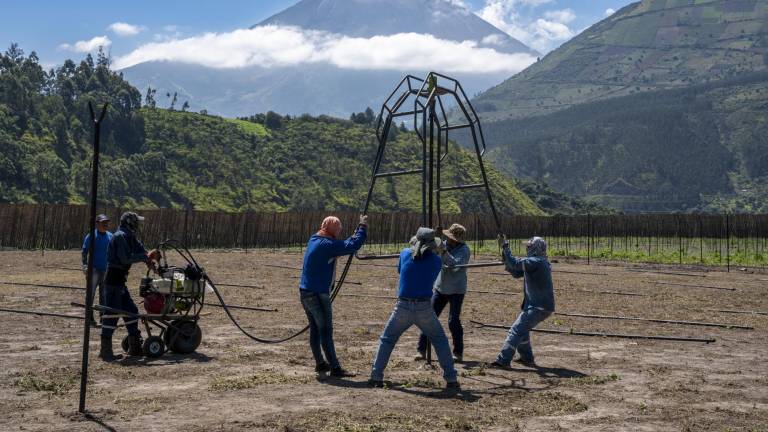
363	220
503	242
153	255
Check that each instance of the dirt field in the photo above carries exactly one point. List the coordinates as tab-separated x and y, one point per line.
231	383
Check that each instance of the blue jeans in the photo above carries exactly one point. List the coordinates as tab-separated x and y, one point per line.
97	282
320	316
439	301
406	314
118	297
519	335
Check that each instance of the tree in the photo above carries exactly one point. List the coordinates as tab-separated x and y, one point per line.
149	99
273	120
185	107
173	101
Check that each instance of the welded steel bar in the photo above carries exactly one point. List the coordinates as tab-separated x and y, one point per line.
459	126
377	257
597	334
477	265
89	275
405	113
654	320
250	308
461	187
398	173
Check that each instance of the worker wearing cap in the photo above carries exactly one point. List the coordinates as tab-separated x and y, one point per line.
419	266
125	249
317	278
102	236
538	302
450	288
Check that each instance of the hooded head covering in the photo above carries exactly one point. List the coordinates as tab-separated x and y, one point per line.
130	220
331	227
536	246
423	241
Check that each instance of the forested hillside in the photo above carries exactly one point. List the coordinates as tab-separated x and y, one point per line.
702	147
157	157
660	107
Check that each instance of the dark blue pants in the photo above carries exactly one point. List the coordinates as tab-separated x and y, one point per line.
118	297
320	316
439	301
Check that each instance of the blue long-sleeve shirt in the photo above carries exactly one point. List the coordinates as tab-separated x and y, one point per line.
417	276
318	271
453	280
537	274
101	244
124	250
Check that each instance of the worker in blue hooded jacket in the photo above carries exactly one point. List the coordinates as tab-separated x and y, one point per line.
125	249
317	278
538	303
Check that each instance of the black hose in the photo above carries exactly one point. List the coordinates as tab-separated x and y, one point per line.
187	255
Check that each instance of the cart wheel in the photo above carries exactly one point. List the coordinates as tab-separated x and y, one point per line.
124	344
183	336
153	347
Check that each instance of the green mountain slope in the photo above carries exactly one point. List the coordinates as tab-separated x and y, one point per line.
155	157
670	150
646	46
660	107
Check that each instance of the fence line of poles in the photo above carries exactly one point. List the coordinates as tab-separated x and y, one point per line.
723	237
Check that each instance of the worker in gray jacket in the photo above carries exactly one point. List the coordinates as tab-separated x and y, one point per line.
450	288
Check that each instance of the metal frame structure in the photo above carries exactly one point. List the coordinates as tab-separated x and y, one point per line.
433	124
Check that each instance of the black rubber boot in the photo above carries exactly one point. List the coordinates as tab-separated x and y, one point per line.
134	345
105	353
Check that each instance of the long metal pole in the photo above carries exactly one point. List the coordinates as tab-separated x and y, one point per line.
91	245
614	335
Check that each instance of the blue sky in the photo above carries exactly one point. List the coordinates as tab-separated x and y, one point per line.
54	28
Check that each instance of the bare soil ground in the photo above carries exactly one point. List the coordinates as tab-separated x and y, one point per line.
231	383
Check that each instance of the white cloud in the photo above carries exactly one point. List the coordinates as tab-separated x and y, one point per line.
493	39
563	16
542	34
610	11
87	46
125	29
272	46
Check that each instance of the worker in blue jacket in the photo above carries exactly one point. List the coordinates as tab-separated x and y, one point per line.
317	278
419	266
450	289
125	249
538	303
100	245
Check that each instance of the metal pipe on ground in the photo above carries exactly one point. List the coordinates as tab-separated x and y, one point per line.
653	320
732	311
40	313
597	334
83	289
690	285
